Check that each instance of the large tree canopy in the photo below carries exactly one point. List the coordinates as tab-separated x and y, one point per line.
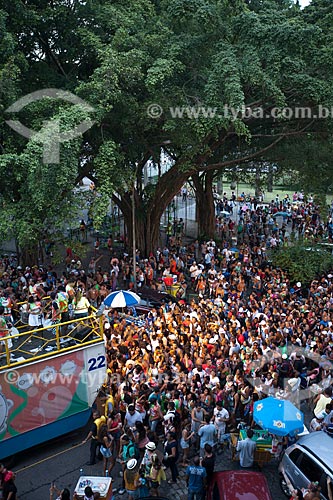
125	56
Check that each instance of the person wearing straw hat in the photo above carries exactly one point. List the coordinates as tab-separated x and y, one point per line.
131	477
148	456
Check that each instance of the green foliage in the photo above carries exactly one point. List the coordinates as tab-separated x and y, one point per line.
311	159
303	263
38	199
124	55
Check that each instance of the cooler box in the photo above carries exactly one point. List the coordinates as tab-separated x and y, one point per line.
168	281
101	485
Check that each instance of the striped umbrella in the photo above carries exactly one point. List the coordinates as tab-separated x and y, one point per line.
122	298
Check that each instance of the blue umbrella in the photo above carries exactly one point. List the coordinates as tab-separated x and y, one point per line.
121	298
280	417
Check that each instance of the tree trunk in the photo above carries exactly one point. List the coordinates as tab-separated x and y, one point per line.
205	204
257	183
29	255
147	225
147	233
18	252
148	215
220	184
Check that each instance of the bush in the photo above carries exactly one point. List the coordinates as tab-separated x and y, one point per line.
303	263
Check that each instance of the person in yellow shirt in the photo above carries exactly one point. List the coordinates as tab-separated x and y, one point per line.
94	434
80	305
321	401
109	405
131	477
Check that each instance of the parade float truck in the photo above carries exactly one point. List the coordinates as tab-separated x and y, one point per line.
49	379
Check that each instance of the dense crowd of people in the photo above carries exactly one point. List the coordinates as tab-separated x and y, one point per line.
260	225
188	375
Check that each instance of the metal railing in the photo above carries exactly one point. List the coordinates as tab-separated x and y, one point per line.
31	345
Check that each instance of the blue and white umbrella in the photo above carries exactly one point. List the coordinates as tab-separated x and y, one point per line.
122	298
280	417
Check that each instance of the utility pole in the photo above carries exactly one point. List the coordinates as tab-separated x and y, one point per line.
133	236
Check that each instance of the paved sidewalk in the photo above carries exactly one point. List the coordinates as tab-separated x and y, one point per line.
223	462
178	491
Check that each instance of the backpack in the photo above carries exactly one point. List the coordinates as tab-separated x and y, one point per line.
133	451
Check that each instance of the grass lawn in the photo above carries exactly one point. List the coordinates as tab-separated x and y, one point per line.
249	190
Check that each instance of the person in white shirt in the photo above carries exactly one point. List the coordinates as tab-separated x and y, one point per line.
198	370
317	423
234	347
81	305
207	434
132	416
154	342
246	447
115	269
221	417
214	380
193	269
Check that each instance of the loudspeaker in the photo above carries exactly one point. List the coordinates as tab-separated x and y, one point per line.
84	333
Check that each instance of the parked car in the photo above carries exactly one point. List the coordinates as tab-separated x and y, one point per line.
310	459
154	298
238	484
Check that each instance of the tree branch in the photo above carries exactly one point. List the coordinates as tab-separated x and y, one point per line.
47	47
216	166
228	163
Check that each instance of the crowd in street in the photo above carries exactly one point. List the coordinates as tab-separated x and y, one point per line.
180	384
194	371
273	224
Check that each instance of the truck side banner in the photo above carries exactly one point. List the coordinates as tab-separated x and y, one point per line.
43	392
95	370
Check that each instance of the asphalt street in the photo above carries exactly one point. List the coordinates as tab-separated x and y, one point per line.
61	460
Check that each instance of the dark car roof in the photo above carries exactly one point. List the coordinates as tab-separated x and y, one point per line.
239	485
155	295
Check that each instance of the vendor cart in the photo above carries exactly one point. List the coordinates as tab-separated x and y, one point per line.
262	457
234	440
263	440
